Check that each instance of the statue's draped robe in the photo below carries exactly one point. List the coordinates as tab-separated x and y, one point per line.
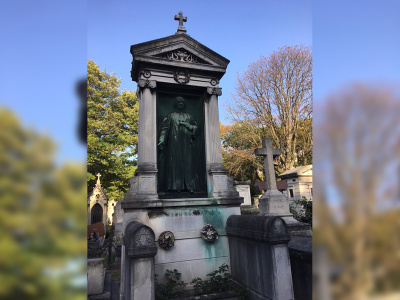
179	151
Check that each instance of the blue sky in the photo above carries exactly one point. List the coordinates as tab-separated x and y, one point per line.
241	33
45	45
43	54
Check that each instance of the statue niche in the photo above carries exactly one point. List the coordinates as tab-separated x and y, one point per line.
180	149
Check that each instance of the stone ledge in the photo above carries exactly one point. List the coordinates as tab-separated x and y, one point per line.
300	247
194	234
259	228
233	201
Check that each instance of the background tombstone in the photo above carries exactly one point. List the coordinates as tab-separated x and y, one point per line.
165	69
243	188
273	202
118	219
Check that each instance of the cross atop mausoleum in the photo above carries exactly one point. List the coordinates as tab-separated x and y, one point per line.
98	178
268	154
181	19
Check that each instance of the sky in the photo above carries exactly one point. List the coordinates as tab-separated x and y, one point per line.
239	33
45	46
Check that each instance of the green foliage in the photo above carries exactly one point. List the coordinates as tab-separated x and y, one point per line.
305	214
238	144
172	289
112	132
43	217
220	281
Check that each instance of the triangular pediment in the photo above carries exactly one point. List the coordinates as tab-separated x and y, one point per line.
178	49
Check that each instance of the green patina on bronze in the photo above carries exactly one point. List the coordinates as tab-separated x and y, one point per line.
181	148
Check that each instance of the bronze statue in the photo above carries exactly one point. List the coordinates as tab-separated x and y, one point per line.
178	132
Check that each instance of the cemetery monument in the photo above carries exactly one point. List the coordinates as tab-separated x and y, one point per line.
181	196
181	210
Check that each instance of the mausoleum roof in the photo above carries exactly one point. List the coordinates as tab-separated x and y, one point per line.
178	50
98	189
296	172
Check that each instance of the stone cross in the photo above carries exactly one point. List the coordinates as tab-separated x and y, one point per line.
181	19
98	178
268	154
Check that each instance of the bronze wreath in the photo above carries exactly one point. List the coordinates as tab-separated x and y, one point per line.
166	240
209	233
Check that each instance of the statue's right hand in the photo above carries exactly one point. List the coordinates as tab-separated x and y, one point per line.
161	145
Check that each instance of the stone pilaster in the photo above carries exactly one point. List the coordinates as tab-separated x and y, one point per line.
144	184
219	184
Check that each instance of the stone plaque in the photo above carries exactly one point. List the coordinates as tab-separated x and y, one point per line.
220	183
147	184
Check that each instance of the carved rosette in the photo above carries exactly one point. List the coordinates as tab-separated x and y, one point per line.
145	83
214	81
146	73
214	91
209	233
181	76
166	240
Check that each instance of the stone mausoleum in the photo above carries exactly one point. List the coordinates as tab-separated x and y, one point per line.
181	196
97	204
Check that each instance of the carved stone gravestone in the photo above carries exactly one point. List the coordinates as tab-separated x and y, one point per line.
138	258
180	184
273	202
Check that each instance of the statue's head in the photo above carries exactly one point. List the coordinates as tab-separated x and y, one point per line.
180	103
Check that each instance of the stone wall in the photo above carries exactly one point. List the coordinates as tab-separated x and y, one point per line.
259	256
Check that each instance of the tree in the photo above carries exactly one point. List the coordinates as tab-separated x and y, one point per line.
112	132
358	159
276	94
238	143
43	218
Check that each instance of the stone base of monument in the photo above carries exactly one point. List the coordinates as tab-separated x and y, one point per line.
95	276
191	255
274	203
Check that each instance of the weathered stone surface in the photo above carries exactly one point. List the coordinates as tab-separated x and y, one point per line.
243	188
191	255
106	295
300	250
137	272
259	256
95	276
